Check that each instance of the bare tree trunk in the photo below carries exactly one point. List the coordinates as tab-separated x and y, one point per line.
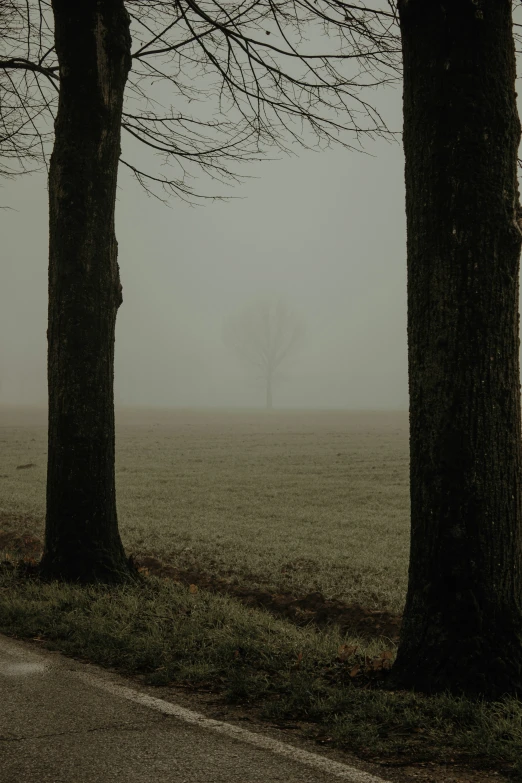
462	625
82	542
269	392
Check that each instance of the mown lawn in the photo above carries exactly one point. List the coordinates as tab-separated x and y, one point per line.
288	500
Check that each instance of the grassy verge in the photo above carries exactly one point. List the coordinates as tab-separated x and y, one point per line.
170	633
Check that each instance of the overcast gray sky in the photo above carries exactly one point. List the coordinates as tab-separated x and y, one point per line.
326	230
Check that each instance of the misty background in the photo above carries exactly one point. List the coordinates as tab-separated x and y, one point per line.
324	230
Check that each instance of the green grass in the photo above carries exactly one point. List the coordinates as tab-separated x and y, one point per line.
169	635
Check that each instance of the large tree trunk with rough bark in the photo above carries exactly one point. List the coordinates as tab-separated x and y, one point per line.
82	541
462	624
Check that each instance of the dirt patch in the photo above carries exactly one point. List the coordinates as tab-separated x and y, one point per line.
11	524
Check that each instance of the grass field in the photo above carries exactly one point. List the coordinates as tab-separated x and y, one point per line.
291	501
286	501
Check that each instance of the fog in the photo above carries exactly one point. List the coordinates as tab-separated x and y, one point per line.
323	230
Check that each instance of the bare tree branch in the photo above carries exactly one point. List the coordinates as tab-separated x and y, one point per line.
240	77
28	86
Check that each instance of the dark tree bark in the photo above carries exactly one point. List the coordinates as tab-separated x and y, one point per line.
82	541
462	625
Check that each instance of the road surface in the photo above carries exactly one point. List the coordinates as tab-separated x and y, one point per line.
65	721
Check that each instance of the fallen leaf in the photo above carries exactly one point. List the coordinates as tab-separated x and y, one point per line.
345	651
355	670
193	588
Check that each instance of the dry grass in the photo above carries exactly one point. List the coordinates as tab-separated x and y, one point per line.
294	501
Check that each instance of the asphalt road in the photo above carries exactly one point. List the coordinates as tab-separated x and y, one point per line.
64	721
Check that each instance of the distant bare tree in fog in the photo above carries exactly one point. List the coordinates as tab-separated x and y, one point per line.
264	335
